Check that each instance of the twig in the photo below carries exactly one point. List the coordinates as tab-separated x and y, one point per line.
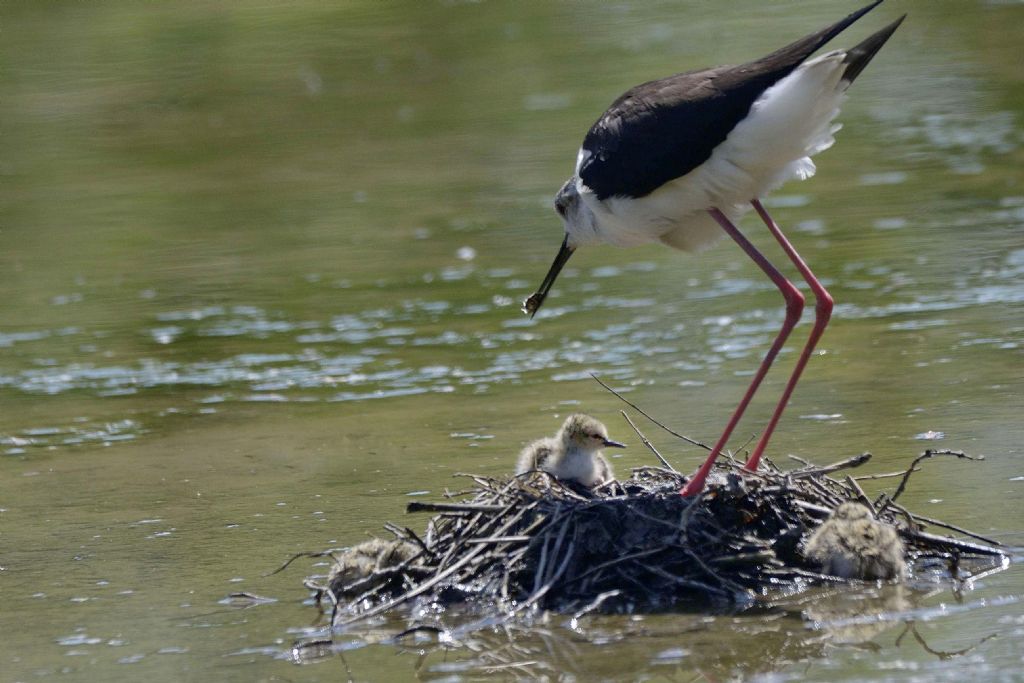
322	553
659	470
501	539
813	507
595	603
859	494
946	542
557	575
887	475
942	655
849	463
796	571
750	440
713	574
542	564
883	503
614	561
953	527
985	572
430	628
418	506
692	442
928	454
647	442
700	585
418	541
758	557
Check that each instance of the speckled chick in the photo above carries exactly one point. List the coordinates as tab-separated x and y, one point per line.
853	545
573	454
354	567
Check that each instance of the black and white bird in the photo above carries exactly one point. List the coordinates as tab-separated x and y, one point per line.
678	160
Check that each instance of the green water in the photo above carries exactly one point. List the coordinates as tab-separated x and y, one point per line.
260	269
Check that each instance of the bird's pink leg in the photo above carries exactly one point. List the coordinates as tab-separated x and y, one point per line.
822	313
794	307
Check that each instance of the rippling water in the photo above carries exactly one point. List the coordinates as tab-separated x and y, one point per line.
261	273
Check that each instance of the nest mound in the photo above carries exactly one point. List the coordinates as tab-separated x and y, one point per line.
534	542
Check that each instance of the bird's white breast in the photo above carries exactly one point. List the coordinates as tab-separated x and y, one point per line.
578	465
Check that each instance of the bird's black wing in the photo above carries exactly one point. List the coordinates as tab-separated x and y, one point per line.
662	130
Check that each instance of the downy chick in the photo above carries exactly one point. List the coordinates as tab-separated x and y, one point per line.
853	545
356	569
573	454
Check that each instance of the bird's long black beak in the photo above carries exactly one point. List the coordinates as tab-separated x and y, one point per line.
613	444
531	305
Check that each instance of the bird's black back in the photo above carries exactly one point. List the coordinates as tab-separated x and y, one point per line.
662	130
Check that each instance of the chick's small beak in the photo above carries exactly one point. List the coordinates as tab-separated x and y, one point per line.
613	444
533	304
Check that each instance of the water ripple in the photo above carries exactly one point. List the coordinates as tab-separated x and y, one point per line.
432	345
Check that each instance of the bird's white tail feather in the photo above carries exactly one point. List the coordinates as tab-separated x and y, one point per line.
790	122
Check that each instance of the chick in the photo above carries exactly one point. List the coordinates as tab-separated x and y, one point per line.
357	568
573	454
852	545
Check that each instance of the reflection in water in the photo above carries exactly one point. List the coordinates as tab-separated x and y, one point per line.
787	637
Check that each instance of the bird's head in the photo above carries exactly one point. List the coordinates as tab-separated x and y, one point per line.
579	225
851	512
583	431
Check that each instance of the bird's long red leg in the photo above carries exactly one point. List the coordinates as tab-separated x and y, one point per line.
822	313
794	307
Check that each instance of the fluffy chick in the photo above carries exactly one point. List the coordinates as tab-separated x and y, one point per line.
356	569
573	454
853	545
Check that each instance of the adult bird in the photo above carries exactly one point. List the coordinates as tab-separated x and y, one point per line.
678	160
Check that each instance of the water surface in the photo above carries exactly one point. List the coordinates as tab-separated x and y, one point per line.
261	269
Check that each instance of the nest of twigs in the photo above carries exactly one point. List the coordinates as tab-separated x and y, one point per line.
509	546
